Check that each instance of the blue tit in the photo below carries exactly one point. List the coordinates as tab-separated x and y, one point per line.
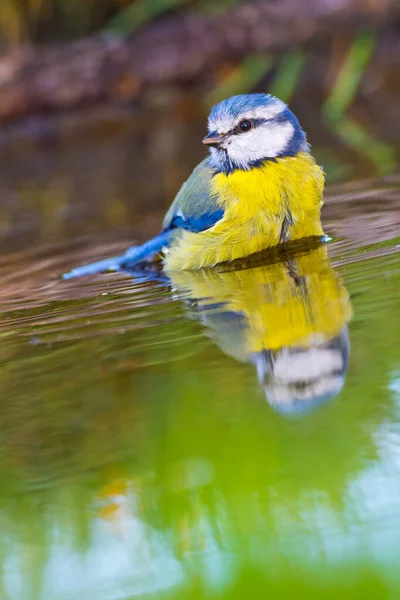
258	187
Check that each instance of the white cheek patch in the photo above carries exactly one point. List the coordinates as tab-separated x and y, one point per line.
291	368
264	141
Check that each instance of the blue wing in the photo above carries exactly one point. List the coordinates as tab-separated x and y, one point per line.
197	224
194	209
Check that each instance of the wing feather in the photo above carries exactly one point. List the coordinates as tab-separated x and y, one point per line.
195	206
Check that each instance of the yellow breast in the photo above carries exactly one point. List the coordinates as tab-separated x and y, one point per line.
255	205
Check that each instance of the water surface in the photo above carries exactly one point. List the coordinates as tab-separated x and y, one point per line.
225	433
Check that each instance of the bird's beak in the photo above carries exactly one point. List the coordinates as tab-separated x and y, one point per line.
213	139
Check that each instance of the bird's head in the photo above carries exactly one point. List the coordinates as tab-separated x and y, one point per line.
248	129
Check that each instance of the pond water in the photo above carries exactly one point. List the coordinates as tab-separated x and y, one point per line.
223	434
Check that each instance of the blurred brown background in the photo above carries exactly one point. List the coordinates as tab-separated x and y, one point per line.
103	103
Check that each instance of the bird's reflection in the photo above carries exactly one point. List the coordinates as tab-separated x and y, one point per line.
288	318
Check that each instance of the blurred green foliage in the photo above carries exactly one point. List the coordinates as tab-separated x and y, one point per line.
139	13
288	74
340	99
39	20
242	79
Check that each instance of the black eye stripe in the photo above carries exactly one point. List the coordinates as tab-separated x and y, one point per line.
279	118
254	123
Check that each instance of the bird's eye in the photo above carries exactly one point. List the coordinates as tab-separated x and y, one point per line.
245	125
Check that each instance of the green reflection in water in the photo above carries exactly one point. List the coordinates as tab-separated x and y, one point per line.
139	458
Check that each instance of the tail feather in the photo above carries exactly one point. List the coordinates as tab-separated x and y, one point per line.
137	254
108	264
132	257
